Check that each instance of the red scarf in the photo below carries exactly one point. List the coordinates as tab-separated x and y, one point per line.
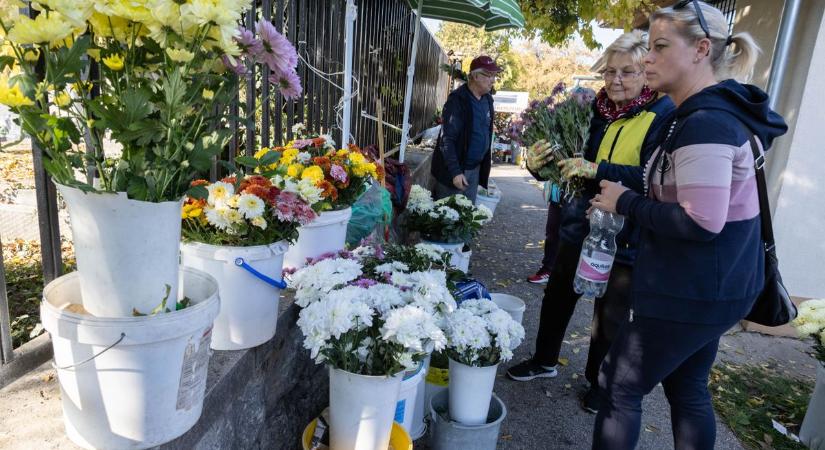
608	110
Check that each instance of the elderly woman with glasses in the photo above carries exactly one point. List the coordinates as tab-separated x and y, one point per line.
626	117
700	262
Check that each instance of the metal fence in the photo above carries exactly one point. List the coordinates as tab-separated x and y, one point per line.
383	42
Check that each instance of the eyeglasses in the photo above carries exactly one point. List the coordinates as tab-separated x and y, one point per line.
699	14
610	75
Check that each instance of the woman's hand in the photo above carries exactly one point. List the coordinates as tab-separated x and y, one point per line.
578	167
606	200
539	154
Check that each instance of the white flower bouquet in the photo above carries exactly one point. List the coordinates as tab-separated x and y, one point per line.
368	314
452	219
811	322
480	334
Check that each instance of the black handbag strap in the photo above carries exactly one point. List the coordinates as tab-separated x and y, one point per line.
762	190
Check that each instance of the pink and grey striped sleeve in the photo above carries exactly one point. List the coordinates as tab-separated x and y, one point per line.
715	184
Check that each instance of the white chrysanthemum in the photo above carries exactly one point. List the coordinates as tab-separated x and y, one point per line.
383	297
420	200
394	266
432	251
216	217
303	157
427	290
330	319
298	128
251	206
308	191
483	214
259	222
463	201
448	213
219	192
232	215
413	328
329	142
314	282
232	202
466	337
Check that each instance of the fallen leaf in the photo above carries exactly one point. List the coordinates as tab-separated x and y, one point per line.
651	429
574	376
506	437
547	393
564	361
576	350
568	386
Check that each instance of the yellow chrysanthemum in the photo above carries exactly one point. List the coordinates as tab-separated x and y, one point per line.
207	94
342	152
62	99
260	153
43	29
288	156
313	173
180	55
191	211
356	158
110	26
114	62
31	55
295	170
12	96
75	12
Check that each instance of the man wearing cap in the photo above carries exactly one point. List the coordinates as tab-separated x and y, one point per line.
462	156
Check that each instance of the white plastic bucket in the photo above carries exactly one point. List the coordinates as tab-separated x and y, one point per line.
407	398
471	389
510	303
327	233
130	383
488	201
458	258
812	432
249	305
361	409
127	251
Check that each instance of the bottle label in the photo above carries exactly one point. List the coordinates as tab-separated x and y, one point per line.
595	267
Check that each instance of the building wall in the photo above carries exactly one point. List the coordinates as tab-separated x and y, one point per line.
799	218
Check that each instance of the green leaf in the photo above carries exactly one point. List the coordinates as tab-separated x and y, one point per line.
174	89
270	158
136	105
137	188
247	161
197	192
207	147
69	61
6	61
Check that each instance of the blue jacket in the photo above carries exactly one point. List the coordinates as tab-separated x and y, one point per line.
574	224
701	257
452	146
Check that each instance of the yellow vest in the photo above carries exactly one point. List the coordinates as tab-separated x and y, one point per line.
622	141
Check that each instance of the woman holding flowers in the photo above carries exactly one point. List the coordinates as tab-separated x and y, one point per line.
700	260
626	117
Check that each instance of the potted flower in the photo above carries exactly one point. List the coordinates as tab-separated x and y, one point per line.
480	336
162	80
331	180
238	234
450	222
811	322
370	319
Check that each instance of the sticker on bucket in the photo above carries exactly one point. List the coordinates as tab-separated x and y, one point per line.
399	411
193	372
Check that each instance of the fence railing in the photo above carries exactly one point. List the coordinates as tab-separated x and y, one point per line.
262	118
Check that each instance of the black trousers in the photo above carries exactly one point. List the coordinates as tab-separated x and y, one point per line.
551	236
559	302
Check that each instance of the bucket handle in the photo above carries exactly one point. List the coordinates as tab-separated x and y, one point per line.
55	366
280	284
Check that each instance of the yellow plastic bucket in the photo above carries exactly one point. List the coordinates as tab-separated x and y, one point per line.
399	439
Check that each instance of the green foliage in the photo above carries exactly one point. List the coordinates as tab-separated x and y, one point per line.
748	397
556	21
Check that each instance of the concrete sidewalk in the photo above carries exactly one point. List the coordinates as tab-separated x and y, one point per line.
545	413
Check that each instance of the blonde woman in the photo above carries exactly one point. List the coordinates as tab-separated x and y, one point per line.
700	261
626	118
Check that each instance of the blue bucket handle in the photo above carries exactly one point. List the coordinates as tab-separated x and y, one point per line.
280	284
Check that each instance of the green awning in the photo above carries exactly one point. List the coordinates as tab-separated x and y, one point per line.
489	14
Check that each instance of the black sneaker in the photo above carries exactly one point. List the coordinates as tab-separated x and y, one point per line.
590	400
529	370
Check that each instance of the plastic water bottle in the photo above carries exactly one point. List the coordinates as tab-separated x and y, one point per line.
598	252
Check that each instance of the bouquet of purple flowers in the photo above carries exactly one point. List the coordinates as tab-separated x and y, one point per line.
563	121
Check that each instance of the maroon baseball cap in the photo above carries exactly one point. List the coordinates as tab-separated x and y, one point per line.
486	63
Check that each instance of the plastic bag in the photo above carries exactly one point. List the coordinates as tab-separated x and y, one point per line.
372	210
468	289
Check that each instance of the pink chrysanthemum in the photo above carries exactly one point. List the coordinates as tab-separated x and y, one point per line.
250	46
288	83
277	52
338	173
238	66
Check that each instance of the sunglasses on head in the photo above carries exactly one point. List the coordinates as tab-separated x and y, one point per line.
699	14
